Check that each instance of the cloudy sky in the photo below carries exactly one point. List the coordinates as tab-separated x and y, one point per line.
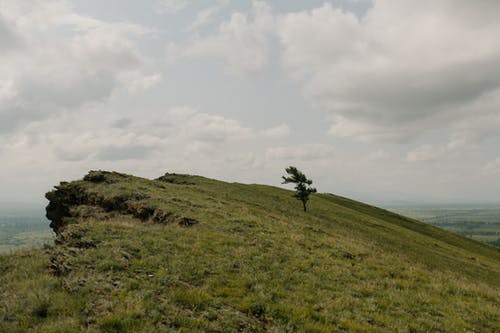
381	101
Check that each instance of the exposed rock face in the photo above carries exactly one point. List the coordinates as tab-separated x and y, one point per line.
61	200
73	202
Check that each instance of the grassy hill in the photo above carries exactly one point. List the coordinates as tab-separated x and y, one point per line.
187	254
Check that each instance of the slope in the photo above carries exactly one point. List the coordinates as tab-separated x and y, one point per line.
187	253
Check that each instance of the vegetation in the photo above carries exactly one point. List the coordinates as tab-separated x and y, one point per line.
480	223
126	260
302	187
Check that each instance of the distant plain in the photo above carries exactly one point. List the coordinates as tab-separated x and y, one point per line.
481	223
24	231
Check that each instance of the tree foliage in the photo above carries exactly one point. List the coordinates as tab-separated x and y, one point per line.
302	184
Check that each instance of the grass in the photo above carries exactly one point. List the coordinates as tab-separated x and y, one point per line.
255	262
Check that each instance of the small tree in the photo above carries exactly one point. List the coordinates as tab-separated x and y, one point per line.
302	184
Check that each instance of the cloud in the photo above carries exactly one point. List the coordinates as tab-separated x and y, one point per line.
122	123
104	144
279	131
181	130
492	167
379	77
391	73
136	81
425	153
379	154
242	42
206	15
429	152
65	62
245	161
206	128
7	90
116	153
203	17
366	131
483	122
170	6
8	38
305	152
181	136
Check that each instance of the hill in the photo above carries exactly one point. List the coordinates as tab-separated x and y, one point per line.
187	253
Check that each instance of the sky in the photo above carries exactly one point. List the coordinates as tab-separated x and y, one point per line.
382	101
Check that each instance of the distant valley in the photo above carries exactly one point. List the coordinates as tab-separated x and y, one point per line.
481	223
21	231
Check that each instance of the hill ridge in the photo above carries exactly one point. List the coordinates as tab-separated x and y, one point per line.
251	261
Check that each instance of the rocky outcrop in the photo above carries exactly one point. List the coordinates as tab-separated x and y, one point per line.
175	178
74	202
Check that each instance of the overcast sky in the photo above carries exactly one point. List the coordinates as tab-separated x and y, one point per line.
381	101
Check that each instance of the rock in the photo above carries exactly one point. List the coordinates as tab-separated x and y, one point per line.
348	255
99	176
73	202
186	221
57	267
95	177
174	178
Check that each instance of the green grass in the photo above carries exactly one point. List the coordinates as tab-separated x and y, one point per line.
255	262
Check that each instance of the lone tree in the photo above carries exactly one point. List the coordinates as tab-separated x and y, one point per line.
302	184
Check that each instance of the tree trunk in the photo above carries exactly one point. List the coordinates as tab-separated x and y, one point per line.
304	204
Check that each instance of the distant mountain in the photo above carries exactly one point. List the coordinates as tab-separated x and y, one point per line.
187	253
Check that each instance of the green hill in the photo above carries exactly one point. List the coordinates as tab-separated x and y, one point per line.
187	253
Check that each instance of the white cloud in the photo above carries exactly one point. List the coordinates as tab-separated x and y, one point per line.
181	137
170	6
429	152
137	81
8	38
392	73
182	129
365	131
425	153
64	61
483	120
382	79
242	42
280	131
305	152
245	161
203	17
7	90
492	167
105	145
379	154
207	128
407	72
206	15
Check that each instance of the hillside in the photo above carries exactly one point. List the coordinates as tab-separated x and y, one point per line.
187	253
